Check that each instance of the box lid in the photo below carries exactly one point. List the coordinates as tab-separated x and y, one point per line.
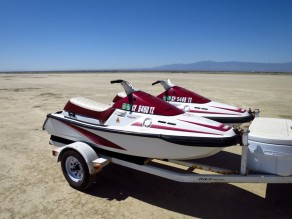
271	131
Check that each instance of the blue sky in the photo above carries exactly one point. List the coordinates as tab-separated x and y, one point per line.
116	34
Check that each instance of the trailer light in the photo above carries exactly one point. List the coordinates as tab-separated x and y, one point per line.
55	153
97	166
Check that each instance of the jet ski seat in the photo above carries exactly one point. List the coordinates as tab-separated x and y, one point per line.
89	104
119	96
90	108
122	94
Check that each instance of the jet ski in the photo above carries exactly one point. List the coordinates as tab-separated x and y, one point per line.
196	104
138	124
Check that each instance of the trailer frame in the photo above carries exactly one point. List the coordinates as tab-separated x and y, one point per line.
96	162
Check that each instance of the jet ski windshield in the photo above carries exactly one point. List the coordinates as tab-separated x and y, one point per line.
141	102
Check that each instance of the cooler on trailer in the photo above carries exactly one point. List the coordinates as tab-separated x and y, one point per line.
270	146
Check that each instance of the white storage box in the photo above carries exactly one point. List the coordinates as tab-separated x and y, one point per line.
270	146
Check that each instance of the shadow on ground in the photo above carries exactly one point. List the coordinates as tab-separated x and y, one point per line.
197	200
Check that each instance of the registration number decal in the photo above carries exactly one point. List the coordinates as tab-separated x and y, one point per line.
138	108
178	99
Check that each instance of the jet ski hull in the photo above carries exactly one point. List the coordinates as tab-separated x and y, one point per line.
150	145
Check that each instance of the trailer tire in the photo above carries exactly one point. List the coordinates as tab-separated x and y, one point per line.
75	170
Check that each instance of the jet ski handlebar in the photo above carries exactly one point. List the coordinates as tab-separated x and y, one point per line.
157	82
166	84
117	81
126	85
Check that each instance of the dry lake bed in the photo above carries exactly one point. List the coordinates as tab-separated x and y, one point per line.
32	184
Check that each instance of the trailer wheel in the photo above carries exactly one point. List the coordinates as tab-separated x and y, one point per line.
76	170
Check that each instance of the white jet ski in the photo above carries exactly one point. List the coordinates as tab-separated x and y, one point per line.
140	125
196	104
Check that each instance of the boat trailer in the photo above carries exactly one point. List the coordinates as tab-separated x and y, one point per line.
80	173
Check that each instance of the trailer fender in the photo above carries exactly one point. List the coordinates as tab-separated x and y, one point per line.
84	150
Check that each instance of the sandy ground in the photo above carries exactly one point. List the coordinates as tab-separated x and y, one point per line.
32	184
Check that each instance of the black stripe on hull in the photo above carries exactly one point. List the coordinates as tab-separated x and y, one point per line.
61	140
203	142
181	140
232	120
129	158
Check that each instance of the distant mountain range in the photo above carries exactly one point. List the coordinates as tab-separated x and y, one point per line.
228	66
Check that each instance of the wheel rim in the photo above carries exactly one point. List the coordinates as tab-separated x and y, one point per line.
74	169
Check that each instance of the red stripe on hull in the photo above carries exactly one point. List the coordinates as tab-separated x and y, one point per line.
207	112
137	124
179	129
220	128
233	110
96	138
172	128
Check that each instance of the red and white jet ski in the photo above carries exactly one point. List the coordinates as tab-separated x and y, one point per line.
196	104
139	125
